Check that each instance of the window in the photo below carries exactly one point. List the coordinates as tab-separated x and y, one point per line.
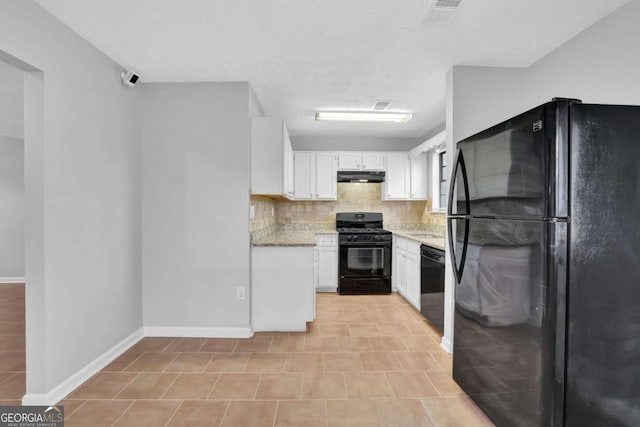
442	168
439	179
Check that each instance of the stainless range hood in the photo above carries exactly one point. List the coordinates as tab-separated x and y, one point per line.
360	176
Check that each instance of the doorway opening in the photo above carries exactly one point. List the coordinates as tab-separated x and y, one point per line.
12	237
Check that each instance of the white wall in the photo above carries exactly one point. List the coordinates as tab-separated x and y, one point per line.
195	172
11	101
599	65
82	198
11	208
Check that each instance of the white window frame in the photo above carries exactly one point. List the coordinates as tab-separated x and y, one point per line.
435	180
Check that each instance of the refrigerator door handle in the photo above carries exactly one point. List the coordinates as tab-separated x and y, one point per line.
457	271
452	185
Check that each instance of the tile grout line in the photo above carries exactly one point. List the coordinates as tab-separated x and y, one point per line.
164	370
275	413
215	383
75	410
426	374
123	412
172	383
125	368
126	385
213	355
225	412
175	411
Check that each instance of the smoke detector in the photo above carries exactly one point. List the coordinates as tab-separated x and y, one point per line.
441	10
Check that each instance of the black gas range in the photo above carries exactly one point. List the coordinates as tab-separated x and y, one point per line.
365	254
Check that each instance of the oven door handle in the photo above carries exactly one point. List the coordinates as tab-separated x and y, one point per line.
365	244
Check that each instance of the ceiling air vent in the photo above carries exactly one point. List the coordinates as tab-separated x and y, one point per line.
381	105
441	10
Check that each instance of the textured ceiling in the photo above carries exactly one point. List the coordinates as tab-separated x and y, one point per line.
304	55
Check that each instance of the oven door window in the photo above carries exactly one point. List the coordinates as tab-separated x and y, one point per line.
365	261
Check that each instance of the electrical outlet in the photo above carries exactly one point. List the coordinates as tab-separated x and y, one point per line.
252	211
273	211
240	292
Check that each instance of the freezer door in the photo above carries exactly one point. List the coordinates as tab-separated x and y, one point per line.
603	355
507	168
505	320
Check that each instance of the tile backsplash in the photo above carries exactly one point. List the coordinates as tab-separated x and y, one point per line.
352	197
265	213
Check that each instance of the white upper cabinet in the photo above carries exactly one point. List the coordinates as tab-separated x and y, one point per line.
304	167
355	160
396	181
373	161
349	161
326	176
419	174
271	157
288	166
315	175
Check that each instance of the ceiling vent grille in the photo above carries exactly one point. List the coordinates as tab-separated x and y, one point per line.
441	10
381	105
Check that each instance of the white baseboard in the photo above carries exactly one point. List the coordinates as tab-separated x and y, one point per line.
6	280
446	344
197	332
75	380
334	290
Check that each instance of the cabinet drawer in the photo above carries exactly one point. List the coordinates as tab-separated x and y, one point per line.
327	240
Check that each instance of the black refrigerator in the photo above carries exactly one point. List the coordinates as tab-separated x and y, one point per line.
544	232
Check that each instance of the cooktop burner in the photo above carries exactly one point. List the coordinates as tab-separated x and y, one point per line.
355	230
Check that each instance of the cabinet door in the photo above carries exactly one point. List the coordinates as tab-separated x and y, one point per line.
413	278
288	164
373	161
349	161
326	179
397	177
418	166
402	273
327	268
304	175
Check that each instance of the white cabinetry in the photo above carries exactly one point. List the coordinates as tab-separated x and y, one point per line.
326	275
282	288
406	179
326	178
304	167
406	270
413	274
396	182
271	157
370	161
373	161
418	177
349	161
315	176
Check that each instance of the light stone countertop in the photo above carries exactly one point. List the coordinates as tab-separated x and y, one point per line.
305	235
422	237
294	235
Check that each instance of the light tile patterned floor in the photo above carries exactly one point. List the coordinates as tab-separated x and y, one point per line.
365	361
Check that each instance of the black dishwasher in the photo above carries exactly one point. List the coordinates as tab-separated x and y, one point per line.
432	286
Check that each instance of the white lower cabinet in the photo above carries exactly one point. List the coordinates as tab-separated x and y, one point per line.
406	262
326	255
282	287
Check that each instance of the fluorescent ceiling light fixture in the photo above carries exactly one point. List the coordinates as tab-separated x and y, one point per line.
359	116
